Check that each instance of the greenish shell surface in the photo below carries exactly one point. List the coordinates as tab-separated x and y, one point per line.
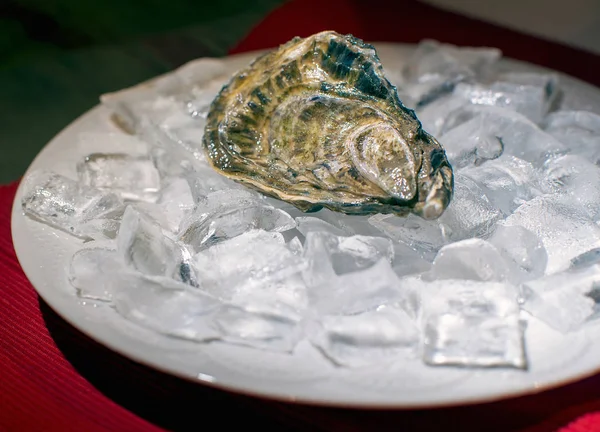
315	123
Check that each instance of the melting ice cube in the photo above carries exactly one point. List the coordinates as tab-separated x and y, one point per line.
296	246
359	291
174	203
434	69
519	136
160	110
469	323
523	249
132	177
586	259
349	224
111	142
94	273
507	182
473	259
563	300
144	247
226	214
329	255
380	336
530	94
61	203
408	261
259	325
248	260
565	231
204	180
132	105
578	179
308	224
578	130
470	214
436	118
472	143
423	236
166	306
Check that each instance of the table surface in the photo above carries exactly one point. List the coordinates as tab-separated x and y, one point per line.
52	377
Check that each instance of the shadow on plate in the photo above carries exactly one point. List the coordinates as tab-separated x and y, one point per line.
180	405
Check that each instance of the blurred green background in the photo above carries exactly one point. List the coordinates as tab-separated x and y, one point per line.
58	56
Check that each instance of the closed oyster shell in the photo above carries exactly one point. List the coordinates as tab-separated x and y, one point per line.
315	123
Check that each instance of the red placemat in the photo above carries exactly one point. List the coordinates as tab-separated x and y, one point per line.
53	378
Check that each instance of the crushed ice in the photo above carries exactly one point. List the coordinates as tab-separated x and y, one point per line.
176	247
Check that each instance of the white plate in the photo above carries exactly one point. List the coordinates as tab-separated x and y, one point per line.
44	254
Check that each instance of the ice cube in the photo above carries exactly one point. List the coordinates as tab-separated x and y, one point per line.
144	247
174	203
329	255
132	104
473	324
176	200
434	117
94	273
166	306
564	230
586	259
507	182
520	137
407	261
423	236
521	248
359	252
578	130
62	203
282	205
572	121
470	213
308	224
252	258
285	289
472	143
161	120
204	180
173	162
169	126
472	259
316	251
296	246
149	110
358	291
563	300
225	214
376	337
434	69
259	325
132	177
111	142
577	178
348	224
530	94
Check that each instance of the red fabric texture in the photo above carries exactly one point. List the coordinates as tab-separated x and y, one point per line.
54	378
586	423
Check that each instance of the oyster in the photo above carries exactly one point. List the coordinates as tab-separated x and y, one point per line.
315	123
